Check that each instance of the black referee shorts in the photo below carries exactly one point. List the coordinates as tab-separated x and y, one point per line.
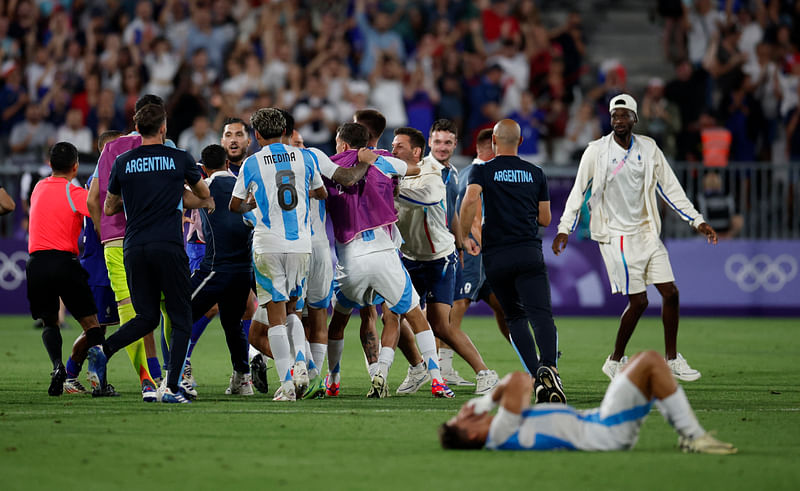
54	274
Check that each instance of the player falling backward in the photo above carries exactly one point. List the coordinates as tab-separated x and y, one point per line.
645	380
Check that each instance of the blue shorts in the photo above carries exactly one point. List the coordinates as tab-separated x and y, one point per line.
107	314
434	281
471	280
196	252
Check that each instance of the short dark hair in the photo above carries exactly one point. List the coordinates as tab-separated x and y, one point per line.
452	437
484	135
63	155
354	134
214	156
289	121
444	125
235	121
373	121
414	135
106	137
148	99
149	119
269	123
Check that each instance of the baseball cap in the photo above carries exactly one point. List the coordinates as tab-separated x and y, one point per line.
623	101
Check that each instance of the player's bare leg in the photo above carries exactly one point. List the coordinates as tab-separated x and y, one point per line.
670	314
637	303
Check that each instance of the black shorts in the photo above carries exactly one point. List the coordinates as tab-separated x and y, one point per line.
54	274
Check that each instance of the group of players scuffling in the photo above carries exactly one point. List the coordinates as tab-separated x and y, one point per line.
409	234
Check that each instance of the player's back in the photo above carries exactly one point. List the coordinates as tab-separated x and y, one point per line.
280	178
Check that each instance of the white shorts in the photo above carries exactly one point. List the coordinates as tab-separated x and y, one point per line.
622	412
319	286
635	261
280	276
372	278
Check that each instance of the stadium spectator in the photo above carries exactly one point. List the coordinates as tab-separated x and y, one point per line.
531	123
198	136
75	132
31	137
581	129
659	117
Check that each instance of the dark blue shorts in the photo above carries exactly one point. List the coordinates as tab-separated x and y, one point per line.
196	252
471	280
435	281
107	314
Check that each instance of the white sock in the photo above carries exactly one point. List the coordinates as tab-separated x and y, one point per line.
297	337
313	369
318	351
251	353
678	413
372	369
279	342
335	348
427	347
385	359
446	359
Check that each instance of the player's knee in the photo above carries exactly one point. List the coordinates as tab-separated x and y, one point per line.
639	303
671	295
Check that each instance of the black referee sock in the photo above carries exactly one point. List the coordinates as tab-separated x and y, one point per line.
51	336
94	336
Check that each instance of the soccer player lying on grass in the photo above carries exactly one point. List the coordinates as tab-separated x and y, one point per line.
613	426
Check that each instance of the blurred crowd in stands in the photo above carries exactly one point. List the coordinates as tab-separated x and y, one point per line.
72	69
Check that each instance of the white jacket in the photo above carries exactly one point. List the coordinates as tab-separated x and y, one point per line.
658	179
422	214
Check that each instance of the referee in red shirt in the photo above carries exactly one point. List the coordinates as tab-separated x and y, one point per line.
56	215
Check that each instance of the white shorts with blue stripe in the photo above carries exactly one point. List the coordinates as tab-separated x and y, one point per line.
280	276
366	280
320	276
635	261
613	426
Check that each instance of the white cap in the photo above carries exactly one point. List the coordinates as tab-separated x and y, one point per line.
623	101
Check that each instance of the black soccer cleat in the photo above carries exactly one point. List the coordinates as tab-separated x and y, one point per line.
57	379
106	390
259	370
548	386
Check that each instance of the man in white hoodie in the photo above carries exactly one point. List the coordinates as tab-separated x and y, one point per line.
625	172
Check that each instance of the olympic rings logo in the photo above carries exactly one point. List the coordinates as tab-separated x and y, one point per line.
12	269
761	271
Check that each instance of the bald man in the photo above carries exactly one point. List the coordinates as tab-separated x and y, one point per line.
516	201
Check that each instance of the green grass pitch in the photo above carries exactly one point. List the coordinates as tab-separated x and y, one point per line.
749	392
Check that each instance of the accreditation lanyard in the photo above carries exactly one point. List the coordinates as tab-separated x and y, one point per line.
624	159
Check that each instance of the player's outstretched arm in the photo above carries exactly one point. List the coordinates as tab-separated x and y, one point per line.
7	204
709	232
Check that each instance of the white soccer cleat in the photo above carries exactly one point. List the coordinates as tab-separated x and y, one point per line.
681	369
452	377
300	377
187	374
285	393
414	380
486	381
240	384
378	389
186	385
705	443
74	386
612	367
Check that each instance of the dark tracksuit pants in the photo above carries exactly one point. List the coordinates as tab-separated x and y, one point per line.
152	269
229	290
518	277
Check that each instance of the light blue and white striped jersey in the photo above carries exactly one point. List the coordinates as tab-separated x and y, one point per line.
280	177
318	221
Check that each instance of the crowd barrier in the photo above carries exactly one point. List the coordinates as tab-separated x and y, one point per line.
753	274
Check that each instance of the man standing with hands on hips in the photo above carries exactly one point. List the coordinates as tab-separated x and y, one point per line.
516	201
625	173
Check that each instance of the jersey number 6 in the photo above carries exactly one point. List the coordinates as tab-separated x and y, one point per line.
287	193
